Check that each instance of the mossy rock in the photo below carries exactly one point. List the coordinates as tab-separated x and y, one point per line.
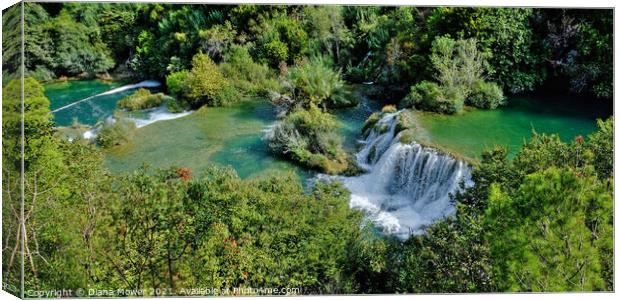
382	128
371	154
405	120
407	136
371	121
389	109
321	162
353	169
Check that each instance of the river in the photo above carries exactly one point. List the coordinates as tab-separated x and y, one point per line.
406	186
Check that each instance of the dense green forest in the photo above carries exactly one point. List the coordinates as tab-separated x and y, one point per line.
541	221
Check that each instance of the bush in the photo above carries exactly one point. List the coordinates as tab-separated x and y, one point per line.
486	95
459	67
389	109
308	137
143	99
177	82
317	84
246	75
41	74
225	96
201	84
117	133
430	96
175	106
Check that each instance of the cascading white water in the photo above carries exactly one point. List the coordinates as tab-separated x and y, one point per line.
142	84
158	114
407	186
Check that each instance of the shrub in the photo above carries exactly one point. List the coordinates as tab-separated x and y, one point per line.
201	84
276	52
225	96
143	99
117	133
177	82
486	95
317	84
389	109
174	105
308	137
246	75
41	74
430	96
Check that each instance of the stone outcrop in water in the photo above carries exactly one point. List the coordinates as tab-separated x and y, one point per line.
407	186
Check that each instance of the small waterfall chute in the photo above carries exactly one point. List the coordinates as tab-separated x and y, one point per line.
158	114
143	84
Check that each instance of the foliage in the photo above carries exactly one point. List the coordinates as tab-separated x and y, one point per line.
459	70
601	144
458	63
203	84
502	33
246	75
576	44
75	51
116	133
315	84
217	39
450	258
432	97
57	176
280	40
328	35
244	233
308	137
485	95
36	118
143	99
524	48
538	249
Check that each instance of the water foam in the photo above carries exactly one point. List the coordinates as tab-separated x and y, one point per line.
407	186
158	114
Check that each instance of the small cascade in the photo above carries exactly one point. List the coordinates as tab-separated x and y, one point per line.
158	114
143	84
407	186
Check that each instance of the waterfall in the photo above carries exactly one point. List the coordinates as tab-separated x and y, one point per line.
146	83
407	186
158	114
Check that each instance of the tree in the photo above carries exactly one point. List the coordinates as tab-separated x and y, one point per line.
576	47
203	84
327	31
58	176
504	34
315	84
76	51
459	69
553	233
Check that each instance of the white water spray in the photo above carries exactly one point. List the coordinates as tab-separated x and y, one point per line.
143	84
407	186
158	114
